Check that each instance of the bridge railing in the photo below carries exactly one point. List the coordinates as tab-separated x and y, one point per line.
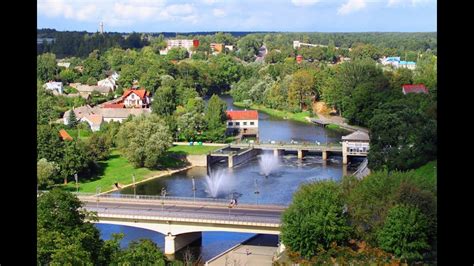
165	199
225	217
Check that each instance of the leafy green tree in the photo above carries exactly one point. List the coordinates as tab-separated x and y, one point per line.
63	236
46	172
109	130
94	66
177	54
91	81
315	219
404	233
46	68
164	101
67	75
301	88
48	143
402	137
76	160
98	147
216	118
141	252
192	122
45	101
144	139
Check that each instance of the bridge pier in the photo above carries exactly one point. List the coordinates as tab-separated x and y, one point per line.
277	152
325	155
174	243
344	169
344	159
301	154
230	161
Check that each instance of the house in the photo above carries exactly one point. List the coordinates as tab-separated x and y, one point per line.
389	60
187	44
415	88
95	116
136	98
108	82
407	64
242	122
94	121
217	48
64	135
395	62
104	90
85	90
355	144
229	47
64	64
54	86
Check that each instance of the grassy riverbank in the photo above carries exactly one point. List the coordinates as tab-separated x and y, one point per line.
194	149
301	116
118	169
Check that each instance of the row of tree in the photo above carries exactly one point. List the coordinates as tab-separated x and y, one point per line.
383	218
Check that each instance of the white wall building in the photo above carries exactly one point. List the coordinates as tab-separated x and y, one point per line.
355	144
54	86
108	82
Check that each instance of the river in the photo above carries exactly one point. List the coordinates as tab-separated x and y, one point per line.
243	180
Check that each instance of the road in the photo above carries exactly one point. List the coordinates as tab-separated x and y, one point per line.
186	210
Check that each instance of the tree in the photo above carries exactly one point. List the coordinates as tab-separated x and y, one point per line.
301	87
402	137
98	147
46	67
141	252
46	172
315	219
72	120
164	101
404	233
91	81
45	101
216	117
63	236
192	121
48	143
76	160
144	139
67	75
179	53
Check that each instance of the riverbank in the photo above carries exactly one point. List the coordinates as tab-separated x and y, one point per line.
300	117
117	169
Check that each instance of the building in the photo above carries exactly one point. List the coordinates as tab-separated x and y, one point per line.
217	48
108	82
64	64
242	123
355	144
54	86
95	116
86	90
187	44
415	88
299	59
64	135
396	63
94	121
136	98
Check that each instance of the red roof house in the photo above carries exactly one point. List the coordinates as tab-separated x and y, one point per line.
136	98
64	135
242	115
415	88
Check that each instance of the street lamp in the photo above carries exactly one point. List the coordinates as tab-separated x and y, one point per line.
163	194
97	191
194	190
256	190
134	186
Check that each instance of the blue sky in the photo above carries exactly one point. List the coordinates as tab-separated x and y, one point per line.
239	15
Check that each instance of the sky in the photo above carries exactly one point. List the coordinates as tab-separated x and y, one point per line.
239	15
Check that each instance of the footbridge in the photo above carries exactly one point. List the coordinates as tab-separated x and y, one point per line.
182	220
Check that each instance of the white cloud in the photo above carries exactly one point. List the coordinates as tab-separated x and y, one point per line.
351	6
304	2
119	13
218	12
412	3
210	2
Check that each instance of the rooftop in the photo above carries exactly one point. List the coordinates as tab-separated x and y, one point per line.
242	115
358	135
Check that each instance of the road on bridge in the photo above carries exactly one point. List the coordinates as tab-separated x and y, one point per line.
257	213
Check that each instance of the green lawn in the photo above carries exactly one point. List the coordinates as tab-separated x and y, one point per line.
83	134
278	113
193	150
118	169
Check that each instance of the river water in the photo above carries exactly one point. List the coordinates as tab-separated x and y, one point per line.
243	181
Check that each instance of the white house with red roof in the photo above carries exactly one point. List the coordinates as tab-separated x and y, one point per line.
243	122
136	98
414	88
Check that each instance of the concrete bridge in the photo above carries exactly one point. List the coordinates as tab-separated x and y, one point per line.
182	220
301	149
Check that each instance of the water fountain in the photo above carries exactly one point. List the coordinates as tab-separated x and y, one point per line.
218	182
268	163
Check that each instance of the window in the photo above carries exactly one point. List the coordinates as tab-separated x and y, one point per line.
245	123
230	123
252	123
237	123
